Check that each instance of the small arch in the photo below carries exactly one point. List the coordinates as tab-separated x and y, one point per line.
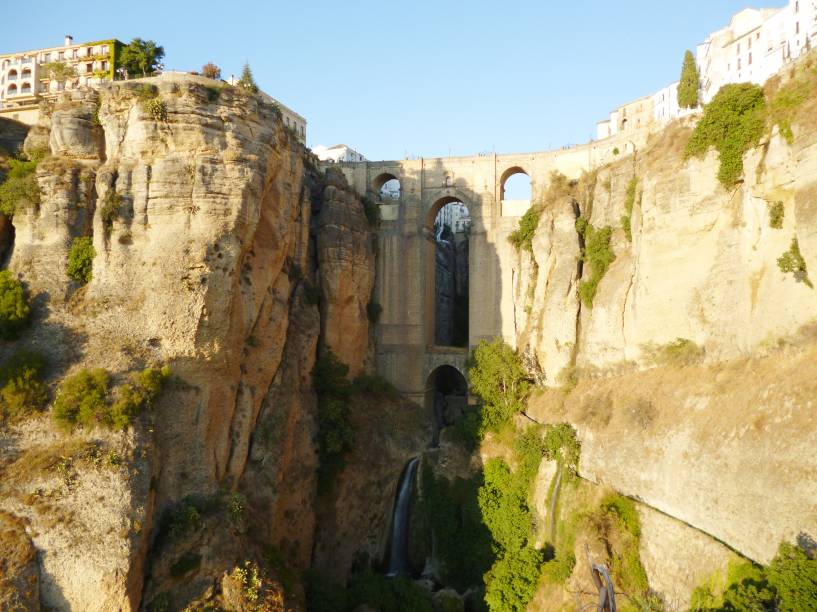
12	90
26	73
13	73
387	186
515	184
446	396
25	88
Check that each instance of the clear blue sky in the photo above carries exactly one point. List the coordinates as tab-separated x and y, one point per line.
411	77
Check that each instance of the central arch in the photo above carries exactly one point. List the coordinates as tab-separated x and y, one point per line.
446	397
447	228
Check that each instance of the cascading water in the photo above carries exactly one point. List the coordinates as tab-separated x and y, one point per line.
398	546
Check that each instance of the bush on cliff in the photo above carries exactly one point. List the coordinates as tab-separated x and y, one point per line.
732	123
522	238
335	433
689	83
597	256
20	190
499	380
81	260
21	390
792	262
14	308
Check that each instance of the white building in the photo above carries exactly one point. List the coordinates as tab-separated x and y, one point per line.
337	153
755	45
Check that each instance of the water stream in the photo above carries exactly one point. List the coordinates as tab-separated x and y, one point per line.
398	545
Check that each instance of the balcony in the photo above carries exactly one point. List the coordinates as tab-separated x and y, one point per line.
12	77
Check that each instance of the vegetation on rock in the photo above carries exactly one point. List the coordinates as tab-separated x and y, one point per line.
776	214
14	307
22	391
689	83
58	71
629	203
522	238
335	433
20	190
211	71
81	260
597	254
792	262
246	81
732	123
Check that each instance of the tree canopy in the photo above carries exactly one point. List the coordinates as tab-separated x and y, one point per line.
247	81
141	57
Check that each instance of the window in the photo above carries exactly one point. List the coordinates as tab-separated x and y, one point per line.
797	6
797	28
750	58
738	63
89	67
750	42
105	49
738	48
105	65
62	55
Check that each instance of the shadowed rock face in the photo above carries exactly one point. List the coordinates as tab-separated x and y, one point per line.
201	225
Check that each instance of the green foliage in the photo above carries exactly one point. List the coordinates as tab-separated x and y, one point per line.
14	308
792	262
157	109
733	123
58	71
785	102
523	237
618	524
186	563
373	310
689	83
335	433
499	380
247	82
81	399
462	542
597	255
562	445
110	208
680	352
560	568
625	511
792	574
529	448
20	190
776	214
629	203
21	390
387	594
504	505
81	259
616	151
84	398
140	57
511	582
236	504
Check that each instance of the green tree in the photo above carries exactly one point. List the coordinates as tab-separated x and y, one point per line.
247	81
81	259
59	71
690	81
14	308
141	57
498	378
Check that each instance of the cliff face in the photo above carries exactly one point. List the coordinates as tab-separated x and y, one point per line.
717	436
200	217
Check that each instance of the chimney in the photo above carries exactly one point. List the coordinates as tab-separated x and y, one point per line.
69	40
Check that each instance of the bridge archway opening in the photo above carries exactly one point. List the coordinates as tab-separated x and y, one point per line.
449	225
387	186
446	396
516	185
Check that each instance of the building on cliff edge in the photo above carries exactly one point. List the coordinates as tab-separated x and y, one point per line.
25	79
337	153
756	44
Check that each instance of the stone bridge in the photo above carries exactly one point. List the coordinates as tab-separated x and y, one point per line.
407	355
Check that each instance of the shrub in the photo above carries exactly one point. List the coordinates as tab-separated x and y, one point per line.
157	109
617	523
211	71
81	260
110	208
20	190
373	310
562	445
559	569
792	262
136	396
776	214
689	83
522	238
498	378
793	576
247	82
21	390
616	151
597	255
81	399
387	595
680	352
733	123
335	433
629	203
511	582
14	308
784	103
504	505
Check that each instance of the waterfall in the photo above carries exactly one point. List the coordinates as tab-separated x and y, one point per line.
398	546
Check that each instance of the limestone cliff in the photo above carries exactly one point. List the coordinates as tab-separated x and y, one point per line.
199	203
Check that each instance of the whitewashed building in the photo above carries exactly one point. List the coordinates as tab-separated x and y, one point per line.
337	153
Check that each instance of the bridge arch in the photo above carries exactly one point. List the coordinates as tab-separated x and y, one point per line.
446	396
515	184
387	186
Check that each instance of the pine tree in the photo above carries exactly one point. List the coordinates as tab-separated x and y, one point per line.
688	87
247	81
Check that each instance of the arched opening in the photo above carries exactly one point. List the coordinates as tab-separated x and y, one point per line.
447	396
26	73
387	186
25	88
449	224
12	74
516	185
12	90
